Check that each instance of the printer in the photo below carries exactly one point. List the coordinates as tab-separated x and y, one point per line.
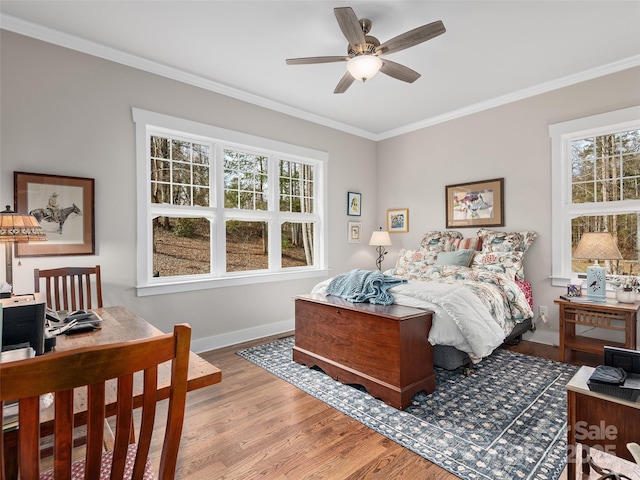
23	322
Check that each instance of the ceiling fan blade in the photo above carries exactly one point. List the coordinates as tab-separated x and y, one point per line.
308	60
411	38
351	28
399	72
344	83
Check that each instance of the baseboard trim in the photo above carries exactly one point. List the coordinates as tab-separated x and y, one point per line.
548	337
544	336
240	336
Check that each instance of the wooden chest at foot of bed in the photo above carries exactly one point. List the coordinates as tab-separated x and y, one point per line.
383	348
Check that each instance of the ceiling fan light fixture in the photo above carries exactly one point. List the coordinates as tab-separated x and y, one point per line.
364	67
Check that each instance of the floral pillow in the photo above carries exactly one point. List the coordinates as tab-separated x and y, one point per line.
493	241
509	263
412	270
439	241
409	257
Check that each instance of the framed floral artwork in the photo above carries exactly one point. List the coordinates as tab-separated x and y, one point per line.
354	204
398	220
476	204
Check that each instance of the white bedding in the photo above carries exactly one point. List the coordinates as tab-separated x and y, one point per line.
461	319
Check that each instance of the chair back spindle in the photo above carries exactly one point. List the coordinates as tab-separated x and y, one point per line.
70	288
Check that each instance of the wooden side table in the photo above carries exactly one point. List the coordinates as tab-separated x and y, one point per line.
611	315
596	420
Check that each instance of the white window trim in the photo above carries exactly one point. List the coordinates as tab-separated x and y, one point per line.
146	285
562	210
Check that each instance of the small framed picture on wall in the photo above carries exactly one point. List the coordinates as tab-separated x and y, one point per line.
398	220
354	204
355	232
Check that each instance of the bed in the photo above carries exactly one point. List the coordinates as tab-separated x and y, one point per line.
475	287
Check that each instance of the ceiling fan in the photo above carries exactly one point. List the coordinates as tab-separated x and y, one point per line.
364	51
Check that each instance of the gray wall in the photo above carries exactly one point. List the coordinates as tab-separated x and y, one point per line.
511	141
67	113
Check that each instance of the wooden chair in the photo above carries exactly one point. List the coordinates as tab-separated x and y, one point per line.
70	288
62	372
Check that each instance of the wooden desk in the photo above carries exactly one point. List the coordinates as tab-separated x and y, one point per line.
119	325
598	420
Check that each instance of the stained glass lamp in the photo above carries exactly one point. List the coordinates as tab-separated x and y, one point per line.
17	227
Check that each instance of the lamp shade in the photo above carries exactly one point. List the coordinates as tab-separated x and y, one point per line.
597	246
18	227
380	239
364	67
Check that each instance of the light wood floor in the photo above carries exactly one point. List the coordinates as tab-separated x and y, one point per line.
254	425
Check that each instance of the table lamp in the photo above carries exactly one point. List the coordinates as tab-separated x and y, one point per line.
597	246
380	240
17	227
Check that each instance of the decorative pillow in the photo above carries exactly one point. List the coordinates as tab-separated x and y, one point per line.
458	257
411	270
493	241
471	243
509	263
408	257
439	241
528	293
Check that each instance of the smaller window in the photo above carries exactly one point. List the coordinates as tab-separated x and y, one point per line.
297	244
181	246
595	188
179	172
245	180
247	246
296	187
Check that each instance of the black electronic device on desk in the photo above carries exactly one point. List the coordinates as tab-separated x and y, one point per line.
620	374
81	320
23	322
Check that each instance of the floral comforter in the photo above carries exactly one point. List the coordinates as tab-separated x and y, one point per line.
475	308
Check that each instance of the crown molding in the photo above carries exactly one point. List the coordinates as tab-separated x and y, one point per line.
569	80
16	25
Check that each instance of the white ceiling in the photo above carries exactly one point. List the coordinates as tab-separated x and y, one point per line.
493	51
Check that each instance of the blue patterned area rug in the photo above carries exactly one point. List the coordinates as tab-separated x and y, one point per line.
505	421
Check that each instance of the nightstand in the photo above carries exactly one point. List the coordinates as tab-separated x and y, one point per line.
611	315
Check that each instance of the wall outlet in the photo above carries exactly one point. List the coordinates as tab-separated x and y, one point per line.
542	310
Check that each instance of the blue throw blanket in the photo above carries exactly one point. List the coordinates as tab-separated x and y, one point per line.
361	286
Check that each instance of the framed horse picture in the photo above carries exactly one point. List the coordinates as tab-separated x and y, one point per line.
64	207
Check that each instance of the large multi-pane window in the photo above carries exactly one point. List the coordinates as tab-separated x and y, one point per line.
220	211
596	188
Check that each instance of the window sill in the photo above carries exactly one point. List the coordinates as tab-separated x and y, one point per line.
235	281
